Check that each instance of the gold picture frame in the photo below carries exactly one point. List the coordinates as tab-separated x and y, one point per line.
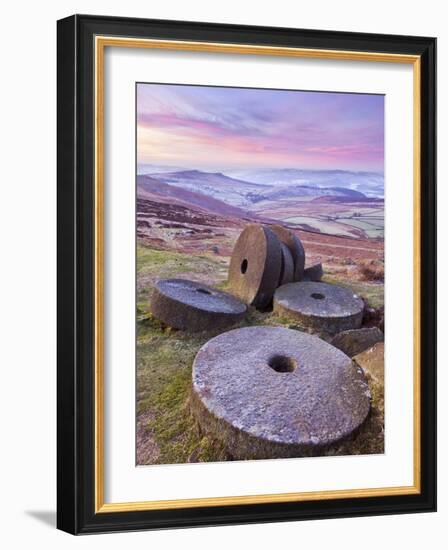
99	41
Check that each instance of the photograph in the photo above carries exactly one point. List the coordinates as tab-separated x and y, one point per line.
260	273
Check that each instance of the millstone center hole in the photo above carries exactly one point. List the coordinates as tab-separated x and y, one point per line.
244	266
317	296
203	291
282	363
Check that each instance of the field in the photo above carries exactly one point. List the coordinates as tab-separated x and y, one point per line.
174	240
348	219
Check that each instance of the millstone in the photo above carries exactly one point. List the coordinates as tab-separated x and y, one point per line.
192	306
320	306
268	392
255	265
287	266
313	273
295	247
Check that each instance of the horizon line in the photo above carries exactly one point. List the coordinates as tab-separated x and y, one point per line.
218	170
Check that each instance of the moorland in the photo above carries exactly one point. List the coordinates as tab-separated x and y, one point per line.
187	223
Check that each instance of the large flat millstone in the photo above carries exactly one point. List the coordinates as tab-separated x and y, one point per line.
192	306
268	392
320	306
255	265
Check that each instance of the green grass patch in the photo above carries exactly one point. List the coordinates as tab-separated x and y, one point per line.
164	363
174	428
372	292
154	264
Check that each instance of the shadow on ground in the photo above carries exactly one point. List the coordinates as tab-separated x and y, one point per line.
47	517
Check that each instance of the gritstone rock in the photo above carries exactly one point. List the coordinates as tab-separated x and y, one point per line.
372	362
352	342
313	273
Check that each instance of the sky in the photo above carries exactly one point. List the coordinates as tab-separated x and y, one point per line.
214	128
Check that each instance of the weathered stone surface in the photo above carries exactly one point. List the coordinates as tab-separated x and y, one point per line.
268	392
287	266
374	317
352	342
192	306
371	362
320	306
313	273
295	246
255	265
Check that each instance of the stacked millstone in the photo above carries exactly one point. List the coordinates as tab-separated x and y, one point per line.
265	258
268	266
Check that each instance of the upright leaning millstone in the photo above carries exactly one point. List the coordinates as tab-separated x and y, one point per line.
320	306
192	306
295	246
287	266
255	265
268	392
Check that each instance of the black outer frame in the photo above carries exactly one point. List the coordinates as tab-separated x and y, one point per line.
75	310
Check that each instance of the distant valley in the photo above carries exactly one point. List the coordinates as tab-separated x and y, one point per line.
329	202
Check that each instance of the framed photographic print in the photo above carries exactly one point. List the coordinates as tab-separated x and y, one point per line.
246	274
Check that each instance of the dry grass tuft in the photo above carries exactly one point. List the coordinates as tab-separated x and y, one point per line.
371	270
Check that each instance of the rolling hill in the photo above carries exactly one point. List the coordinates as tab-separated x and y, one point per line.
213	184
370	184
151	188
336	210
244	194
